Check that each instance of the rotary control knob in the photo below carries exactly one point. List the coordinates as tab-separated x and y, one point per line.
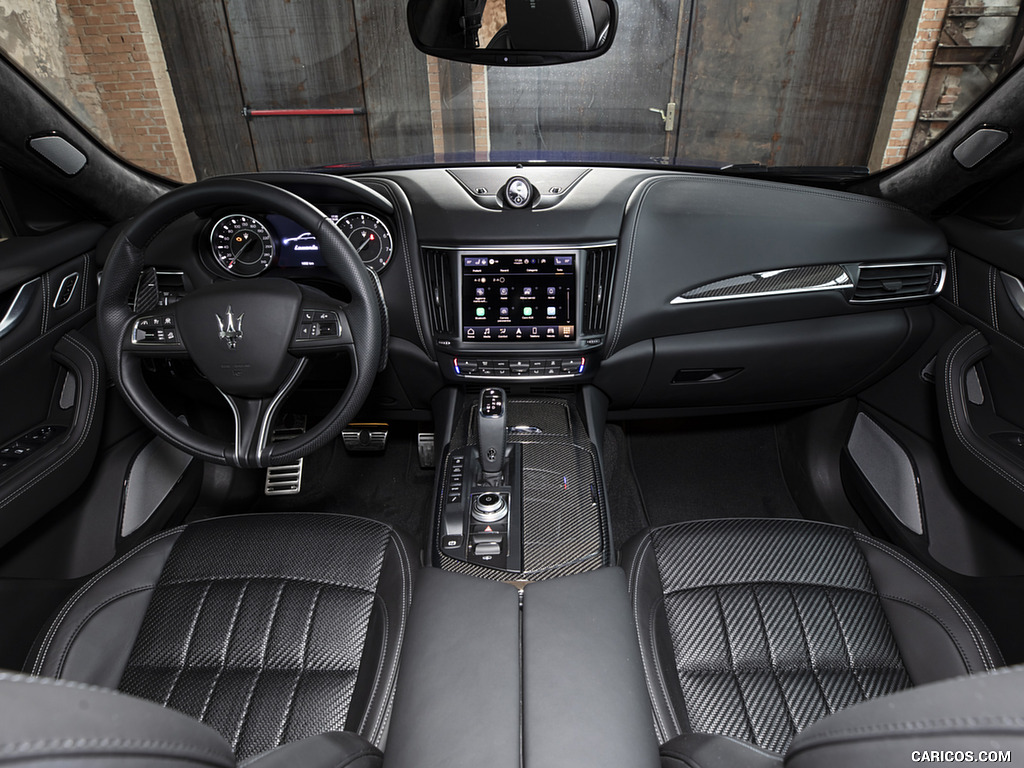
490	507
518	192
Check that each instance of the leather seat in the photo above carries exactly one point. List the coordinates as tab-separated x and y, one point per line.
754	629
267	628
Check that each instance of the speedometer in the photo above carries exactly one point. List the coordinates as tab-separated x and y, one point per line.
242	245
370	237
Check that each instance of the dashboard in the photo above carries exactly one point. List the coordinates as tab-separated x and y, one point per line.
663	290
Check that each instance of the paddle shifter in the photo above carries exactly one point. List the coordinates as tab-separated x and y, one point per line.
490	432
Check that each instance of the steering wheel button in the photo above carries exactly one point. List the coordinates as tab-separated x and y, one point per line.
308	315
323	317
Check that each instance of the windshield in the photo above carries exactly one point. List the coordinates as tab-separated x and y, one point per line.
193	88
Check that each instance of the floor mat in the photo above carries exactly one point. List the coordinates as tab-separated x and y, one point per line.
625	506
696	469
388	486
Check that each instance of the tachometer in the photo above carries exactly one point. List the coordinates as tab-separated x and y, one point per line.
370	237
242	245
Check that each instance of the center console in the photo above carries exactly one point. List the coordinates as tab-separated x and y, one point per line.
520	493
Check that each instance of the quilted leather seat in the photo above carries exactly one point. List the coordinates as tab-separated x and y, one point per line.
754	629
267	628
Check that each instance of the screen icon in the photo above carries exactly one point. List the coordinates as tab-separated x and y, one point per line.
527	311
480	311
503	291
527	291
479	291
551	311
503	311
551	290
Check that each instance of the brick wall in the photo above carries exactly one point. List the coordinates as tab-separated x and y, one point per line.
117	69
926	39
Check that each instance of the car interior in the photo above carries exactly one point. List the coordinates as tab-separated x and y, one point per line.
511	463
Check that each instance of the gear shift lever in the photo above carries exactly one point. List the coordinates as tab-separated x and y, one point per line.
490	431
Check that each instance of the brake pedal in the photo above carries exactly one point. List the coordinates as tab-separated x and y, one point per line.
425	446
365	437
286	479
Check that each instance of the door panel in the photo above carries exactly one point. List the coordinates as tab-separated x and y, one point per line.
51	373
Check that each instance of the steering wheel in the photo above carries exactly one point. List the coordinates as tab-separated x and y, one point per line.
250	338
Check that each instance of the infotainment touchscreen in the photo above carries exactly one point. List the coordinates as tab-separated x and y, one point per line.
519	297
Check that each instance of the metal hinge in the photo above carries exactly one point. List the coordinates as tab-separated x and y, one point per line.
668	115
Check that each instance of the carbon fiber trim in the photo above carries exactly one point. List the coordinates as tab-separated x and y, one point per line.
824	277
774	624
565	528
257	624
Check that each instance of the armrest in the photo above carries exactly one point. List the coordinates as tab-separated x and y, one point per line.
457	701
585	702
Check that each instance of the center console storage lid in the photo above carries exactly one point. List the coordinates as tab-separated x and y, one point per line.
584	698
457	701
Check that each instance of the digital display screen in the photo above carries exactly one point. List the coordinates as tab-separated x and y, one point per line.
519	297
296	246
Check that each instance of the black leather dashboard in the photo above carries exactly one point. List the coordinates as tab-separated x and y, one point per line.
776	270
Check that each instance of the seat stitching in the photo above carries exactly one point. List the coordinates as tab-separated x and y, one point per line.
378	676
964	616
307	637
786	584
227	646
956	287
265	577
771	660
660	673
992	297
188	646
846	646
635	570
68	606
88	617
807	644
406	567
732	664
924	609
38	339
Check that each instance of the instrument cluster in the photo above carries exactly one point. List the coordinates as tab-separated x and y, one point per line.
247	245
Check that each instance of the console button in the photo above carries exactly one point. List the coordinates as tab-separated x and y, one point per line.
454	498
451	542
486	538
487	548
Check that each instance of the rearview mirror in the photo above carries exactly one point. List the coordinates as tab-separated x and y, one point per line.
513	33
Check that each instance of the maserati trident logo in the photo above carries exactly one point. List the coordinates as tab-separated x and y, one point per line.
230	328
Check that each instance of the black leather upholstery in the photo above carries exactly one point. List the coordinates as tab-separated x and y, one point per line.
59	724
755	629
969	719
268	628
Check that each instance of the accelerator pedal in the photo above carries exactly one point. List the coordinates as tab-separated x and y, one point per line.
369	437
286	479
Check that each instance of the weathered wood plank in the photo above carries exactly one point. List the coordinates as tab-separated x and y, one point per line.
197	48
795	82
297	54
597	106
394	82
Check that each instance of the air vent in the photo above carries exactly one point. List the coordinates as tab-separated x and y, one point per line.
597	289
437	267
891	282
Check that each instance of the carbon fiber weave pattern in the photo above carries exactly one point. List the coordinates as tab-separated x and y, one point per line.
565	527
774	625
781	281
257	624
